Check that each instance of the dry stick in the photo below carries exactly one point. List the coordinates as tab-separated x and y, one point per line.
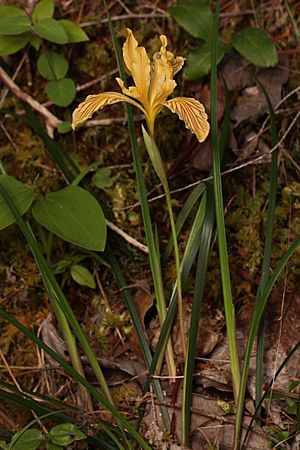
51	120
127	238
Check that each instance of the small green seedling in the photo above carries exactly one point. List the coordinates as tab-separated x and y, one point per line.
19	29
57	439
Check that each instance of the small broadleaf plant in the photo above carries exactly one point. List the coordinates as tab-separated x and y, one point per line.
196	18
18	29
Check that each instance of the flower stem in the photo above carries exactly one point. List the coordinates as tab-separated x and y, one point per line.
178	274
159	169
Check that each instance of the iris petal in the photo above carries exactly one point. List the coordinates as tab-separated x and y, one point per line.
193	114
93	103
138	64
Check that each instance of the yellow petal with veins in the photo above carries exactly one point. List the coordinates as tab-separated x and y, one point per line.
93	103
138	64
192	113
162	83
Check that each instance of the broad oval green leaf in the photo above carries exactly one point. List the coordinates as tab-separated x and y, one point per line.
11	10
14	25
52	65
51	30
74	32
29	440
65	434
199	62
21	194
74	215
61	92
256	46
195	17
12	44
82	276
44	9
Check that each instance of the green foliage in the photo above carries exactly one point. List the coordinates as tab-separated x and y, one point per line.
199	62
17	29
52	65
64	127
74	215
65	434
12	44
43	10
255	45
71	213
16	25
58	438
82	276
61	92
51	30
74	32
197	19
26	440
102	178
21	194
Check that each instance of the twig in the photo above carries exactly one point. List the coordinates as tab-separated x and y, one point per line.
51	120
127	238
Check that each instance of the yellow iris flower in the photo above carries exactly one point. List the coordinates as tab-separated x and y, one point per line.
153	85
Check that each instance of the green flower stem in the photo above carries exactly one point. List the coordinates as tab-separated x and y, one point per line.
225	274
159	169
178	274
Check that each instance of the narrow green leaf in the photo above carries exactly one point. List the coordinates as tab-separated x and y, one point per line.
13	25
44	9
190	253
61	92
21	194
195	17
199	62
52	65
65	434
12	44
74	215
51	30
73	31
74	374
205	242
155	157
255	45
253	330
29	440
183	215
82	276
